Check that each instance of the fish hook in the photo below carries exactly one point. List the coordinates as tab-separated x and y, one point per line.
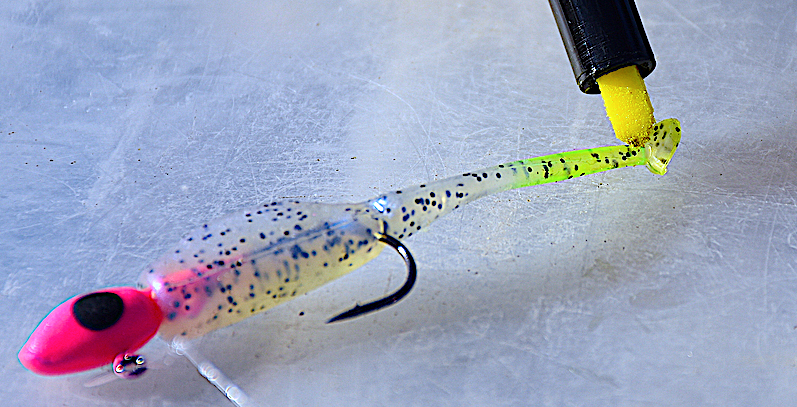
392	298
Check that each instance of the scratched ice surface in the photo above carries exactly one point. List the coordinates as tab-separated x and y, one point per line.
123	126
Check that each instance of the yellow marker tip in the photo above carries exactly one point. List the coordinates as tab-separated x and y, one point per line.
627	105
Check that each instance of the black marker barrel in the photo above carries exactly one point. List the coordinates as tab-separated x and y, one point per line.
601	36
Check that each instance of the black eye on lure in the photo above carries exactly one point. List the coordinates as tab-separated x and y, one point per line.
250	261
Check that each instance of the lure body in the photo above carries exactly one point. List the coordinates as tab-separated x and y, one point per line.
255	259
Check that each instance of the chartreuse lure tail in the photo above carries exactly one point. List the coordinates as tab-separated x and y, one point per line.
406	211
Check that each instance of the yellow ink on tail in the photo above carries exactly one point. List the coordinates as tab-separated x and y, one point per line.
627	105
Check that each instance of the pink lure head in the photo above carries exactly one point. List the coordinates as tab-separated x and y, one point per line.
91	330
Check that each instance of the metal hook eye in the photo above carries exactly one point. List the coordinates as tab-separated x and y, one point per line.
129	366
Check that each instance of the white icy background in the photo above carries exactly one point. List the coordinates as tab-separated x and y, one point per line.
123	126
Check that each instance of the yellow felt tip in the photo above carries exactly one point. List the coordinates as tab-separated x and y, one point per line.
627	105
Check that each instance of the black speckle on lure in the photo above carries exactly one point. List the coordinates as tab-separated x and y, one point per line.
254	259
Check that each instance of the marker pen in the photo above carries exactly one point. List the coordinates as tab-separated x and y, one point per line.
610	54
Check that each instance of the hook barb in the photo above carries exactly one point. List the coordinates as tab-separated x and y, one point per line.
392	298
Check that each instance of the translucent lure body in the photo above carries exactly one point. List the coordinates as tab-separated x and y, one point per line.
254	259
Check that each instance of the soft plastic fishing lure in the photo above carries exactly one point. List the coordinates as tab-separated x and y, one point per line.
254	259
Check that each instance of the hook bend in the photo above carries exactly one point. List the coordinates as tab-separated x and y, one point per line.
392	298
